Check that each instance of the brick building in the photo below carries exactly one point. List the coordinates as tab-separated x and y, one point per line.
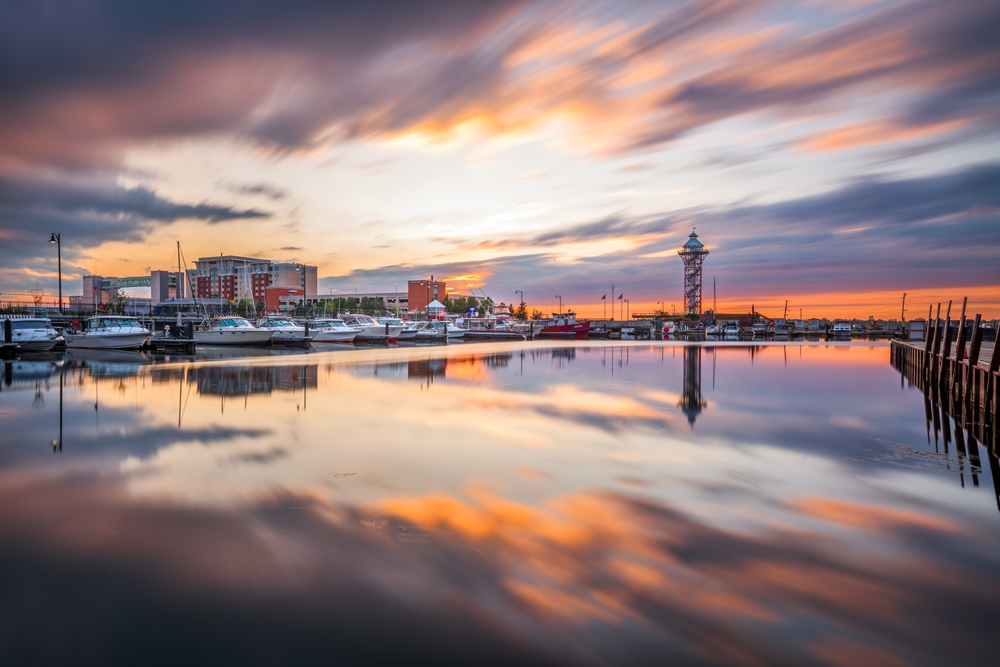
422	292
233	277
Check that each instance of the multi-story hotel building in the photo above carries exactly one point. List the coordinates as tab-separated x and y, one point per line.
233	277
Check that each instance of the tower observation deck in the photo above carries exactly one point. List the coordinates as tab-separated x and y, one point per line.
693	255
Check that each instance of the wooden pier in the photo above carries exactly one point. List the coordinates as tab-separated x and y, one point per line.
959	374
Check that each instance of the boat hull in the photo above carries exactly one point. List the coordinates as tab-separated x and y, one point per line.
334	336
565	330
233	337
124	341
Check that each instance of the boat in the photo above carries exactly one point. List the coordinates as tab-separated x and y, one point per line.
285	331
109	332
492	329
713	330
370	331
449	329
762	328
426	333
33	334
332	330
408	332
841	328
564	325
231	331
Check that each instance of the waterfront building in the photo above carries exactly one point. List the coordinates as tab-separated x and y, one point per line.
422	292
234	277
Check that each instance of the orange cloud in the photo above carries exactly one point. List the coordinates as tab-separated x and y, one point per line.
877	132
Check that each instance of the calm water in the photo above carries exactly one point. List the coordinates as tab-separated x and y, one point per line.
597	504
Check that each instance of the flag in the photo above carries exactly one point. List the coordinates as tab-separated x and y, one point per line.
603	298
620	296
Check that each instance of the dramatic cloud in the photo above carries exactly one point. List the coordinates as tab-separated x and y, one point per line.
736	100
905	231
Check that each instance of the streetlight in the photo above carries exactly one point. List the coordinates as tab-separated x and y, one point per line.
57	239
560	303
661	307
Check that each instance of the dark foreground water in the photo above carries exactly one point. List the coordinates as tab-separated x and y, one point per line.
514	505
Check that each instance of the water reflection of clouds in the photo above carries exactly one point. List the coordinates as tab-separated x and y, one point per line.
551	510
593	577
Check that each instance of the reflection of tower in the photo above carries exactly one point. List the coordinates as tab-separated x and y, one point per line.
692	402
693	255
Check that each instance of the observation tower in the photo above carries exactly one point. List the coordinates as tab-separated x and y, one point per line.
693	255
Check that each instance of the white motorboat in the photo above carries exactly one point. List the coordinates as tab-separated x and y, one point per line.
371	331
110	333
33	334
842	328
231	331
332	331
426	333
408	332
449	329
284	329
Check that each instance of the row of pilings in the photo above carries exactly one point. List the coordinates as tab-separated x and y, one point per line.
948	368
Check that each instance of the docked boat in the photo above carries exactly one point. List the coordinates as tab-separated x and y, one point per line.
110	333
332	330
33	334
426	333
285	331
450	330
370	331
564	325
841	328
492	329
408	332
231	331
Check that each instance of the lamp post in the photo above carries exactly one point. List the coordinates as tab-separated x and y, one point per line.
560	303
661	307
521	293
57	239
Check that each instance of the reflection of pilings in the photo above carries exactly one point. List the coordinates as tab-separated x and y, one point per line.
692	402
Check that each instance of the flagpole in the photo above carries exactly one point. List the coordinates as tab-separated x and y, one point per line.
612	303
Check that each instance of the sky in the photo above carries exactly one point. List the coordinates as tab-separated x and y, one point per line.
834	154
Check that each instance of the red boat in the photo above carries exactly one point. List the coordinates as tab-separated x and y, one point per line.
564	325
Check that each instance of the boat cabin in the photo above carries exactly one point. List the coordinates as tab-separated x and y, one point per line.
563	319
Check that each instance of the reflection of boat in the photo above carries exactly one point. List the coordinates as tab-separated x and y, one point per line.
110	333
232	331
249	380
371	331
108	363
33	334
333	331
565	325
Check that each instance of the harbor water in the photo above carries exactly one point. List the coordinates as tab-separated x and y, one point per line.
590	503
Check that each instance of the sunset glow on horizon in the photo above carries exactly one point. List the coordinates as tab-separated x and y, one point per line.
831	154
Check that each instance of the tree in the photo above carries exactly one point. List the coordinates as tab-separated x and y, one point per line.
118	301
521	312
536	314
